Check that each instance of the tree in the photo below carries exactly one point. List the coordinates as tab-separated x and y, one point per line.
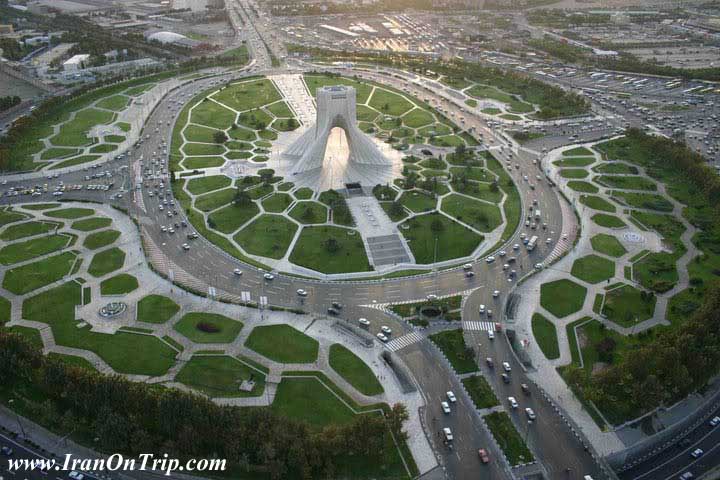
242	198
396	209
331	245
437	225
220	137
396	418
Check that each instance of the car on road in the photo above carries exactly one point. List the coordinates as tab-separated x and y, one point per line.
484	457
451	396
697	453
481	309
269	276
469	274
715	421
506	366
530	414
686	476
490	362
185	246
76	475
333	312
237	272
513	403
524	387
432	297
301	292
386	330
505	378
445	407
490	259
448	434
6	451
337	305
364	322
382	337
491	334
502	253
467	266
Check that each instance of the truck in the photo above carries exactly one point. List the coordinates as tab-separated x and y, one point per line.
537	214
531	244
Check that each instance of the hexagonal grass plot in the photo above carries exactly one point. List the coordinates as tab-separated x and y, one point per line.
283	344
31	276
628	305
267	236
593	269
198	186
106	261
309	212
608	221
125	352
608	244
330	249
220	376
229	219
156	309
119	285
202	327
277	203
101	239
453	240
562	297
211	114
479	215
353	370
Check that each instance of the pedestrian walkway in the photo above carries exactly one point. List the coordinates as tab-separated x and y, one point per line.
404	341
479	326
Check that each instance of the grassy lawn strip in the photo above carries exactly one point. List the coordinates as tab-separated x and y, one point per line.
106	261
202	327
283	344
330	249
29	249
27	229
354	370
608	221
118	285
453	239
608	245
31	276
267	236
627	305
480	392
593	268
101	239
546	336
156	309
453	345
562	297
508	438
220	376
90	224
70	213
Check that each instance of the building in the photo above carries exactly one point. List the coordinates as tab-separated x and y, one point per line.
76	62
6	29
192	5
335	108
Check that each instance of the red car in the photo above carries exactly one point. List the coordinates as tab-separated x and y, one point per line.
484	458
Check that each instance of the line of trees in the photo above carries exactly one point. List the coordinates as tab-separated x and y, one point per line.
134	418
9	102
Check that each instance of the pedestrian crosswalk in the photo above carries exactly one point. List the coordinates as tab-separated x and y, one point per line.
245	296
404	341
484	326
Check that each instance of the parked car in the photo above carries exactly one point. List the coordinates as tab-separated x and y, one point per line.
382	337
451	397
448	434
364	322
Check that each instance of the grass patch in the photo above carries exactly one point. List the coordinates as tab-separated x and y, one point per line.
546	336
201	185
101	239
31	276
458	353
35	247
330	249
627	305
508	438
627	182
583	187
354	370
283	344
119	285
309	212
597	203
277	203
220	376
156	309
90	224
593	269
608	221
106	261
267	236
201	327
453	239
562	297
480	392
479	215
70	213
608	244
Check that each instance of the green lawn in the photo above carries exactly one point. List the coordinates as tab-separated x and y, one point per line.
453	239
608	221
354	370
115	103
508	438
119	285
627	305
197	186
214	200
70	213
597	203
546	336
577	151
277	203
8	216
196	133
627	182
125	352
574	161
35	247
593	268
203	327
247	95
26	229
417	118
31	276
90	224
156	309
191	163
280	110
608	244
657	271
644	200
220	376
303	193
573	173
230	218
283	344
101	239
583	187
4	310
309	212
267	236
616	168
73	361
75	132
191	149
295	396
480	391
453	345
106	261
479	215
562	297
330	249
418	202
211	114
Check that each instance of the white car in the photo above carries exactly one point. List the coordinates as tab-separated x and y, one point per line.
506	366
386	330
445	407
451	397
431	297
364	322
482	309
382	337
237	272
496	293
76	475
302	292
269	276
490	259
513	403
715	421
491	335
468	266
448	434
697	453
502	253
185	246
530	414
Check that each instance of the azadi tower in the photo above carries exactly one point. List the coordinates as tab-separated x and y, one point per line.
335	108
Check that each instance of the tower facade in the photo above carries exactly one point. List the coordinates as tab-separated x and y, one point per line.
335	108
